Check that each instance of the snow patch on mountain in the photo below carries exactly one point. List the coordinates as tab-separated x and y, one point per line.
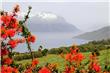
47	16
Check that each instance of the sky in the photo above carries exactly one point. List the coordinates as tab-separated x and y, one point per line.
87	15
55	0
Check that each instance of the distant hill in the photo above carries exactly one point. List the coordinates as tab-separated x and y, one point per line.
49	22
103	33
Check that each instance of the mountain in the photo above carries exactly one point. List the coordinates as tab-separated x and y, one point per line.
49	22
103	33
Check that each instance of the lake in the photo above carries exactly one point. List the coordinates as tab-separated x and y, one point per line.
51	40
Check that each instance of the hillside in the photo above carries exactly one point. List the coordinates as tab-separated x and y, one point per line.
103	33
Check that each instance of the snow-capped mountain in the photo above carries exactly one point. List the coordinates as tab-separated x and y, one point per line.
49	22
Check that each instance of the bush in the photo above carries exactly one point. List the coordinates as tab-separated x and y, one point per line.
58	50
44	52
53	51
25	56
37	54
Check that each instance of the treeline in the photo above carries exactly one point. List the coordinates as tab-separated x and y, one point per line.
100	45
37	54
88	47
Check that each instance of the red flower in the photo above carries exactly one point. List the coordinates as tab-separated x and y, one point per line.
15	70
96	67
4	36
8	61
69	69
44	70
74	51
6	69
69	57
11	32
20	40
72	69
9	21
4	33
14	23
29	70
78	57
12	43
6	20
31	39
4	52
35	62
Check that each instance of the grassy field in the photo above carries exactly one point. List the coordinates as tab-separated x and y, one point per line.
57	59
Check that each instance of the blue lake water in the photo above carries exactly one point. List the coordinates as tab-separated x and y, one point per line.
51	40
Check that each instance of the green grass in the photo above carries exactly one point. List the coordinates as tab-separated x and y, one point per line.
52	58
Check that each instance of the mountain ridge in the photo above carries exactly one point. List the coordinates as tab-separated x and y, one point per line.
103	33
50	23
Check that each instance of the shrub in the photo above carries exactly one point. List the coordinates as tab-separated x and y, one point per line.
44	52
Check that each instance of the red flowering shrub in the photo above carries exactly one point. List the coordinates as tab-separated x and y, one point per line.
44	70
35	62
11	32
6	69
9	69
3	32
73	51
31	38
12	43
78	57
28	70
6	20
96	67
4	52
69	57
8	61
69	69
74	57
10	27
